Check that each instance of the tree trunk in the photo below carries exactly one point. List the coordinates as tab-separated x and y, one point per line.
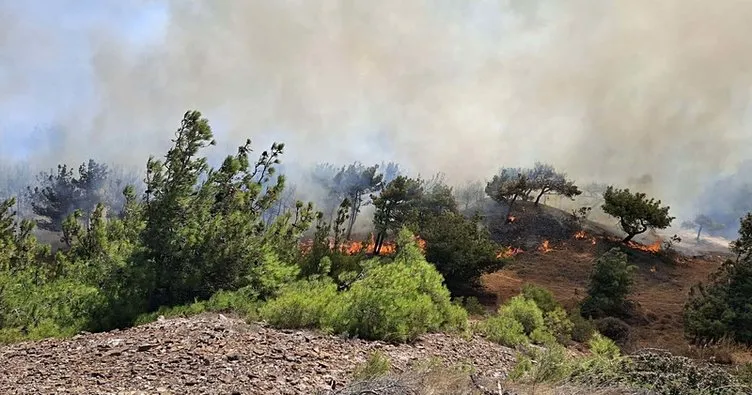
698	233
540	195
354	208
377	244
509	208
629	237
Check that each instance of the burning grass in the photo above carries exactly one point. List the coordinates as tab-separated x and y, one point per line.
352	247
653	248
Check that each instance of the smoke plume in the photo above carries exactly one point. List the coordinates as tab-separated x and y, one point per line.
603	89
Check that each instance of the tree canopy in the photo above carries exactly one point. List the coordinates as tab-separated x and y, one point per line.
636	213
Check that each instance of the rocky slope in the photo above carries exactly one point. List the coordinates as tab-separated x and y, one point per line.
214	354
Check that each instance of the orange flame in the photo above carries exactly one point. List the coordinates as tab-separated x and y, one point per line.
581	235
511	219
353	247
509	252
545	247
655	247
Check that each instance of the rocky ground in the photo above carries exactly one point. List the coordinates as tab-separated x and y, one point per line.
214	354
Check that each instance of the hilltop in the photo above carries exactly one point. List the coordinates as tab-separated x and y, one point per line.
556	252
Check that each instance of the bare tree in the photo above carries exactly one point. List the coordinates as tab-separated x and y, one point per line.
471	195
702	222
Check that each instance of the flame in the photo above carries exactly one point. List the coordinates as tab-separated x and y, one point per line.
655	247
511	219
353	247
509	252
653	269
581	235
544	248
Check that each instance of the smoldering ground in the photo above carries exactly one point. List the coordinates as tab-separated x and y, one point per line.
606	90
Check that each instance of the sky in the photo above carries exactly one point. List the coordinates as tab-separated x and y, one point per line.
45	69
605	90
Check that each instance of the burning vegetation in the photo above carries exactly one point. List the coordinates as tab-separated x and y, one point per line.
653	248
545	247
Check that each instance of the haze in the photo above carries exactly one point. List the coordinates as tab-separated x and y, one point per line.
605	90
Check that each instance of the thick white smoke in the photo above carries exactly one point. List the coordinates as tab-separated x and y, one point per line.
603	89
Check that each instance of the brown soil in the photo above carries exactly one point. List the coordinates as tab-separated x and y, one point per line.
213	354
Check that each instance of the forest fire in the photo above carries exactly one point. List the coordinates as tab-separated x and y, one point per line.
582	235
353	247
509	252
655	247
511	219
545	247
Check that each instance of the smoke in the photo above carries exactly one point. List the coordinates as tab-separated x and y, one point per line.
603	89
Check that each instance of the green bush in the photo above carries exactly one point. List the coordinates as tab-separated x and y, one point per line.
460	249
544	337
471	305
721	307
582	328
604	365
505	330
395	301
541	296
610	284
305	304
535	366
558	323
524	311
400	300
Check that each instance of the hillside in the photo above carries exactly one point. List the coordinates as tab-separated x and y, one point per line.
558	256
214	354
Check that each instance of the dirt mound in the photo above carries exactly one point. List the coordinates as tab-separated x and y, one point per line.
214	354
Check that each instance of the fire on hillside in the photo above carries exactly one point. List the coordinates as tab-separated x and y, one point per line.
390	247
655	247
509	252
581	235
353	247
545	247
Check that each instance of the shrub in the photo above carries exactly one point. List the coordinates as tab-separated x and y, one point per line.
472	305
541	296
558	323
721	307
543	336
610	284
669	374
377	365
524	311
582	328
538	365
505	330
615	329
398	301
604	365
304	304
461	250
